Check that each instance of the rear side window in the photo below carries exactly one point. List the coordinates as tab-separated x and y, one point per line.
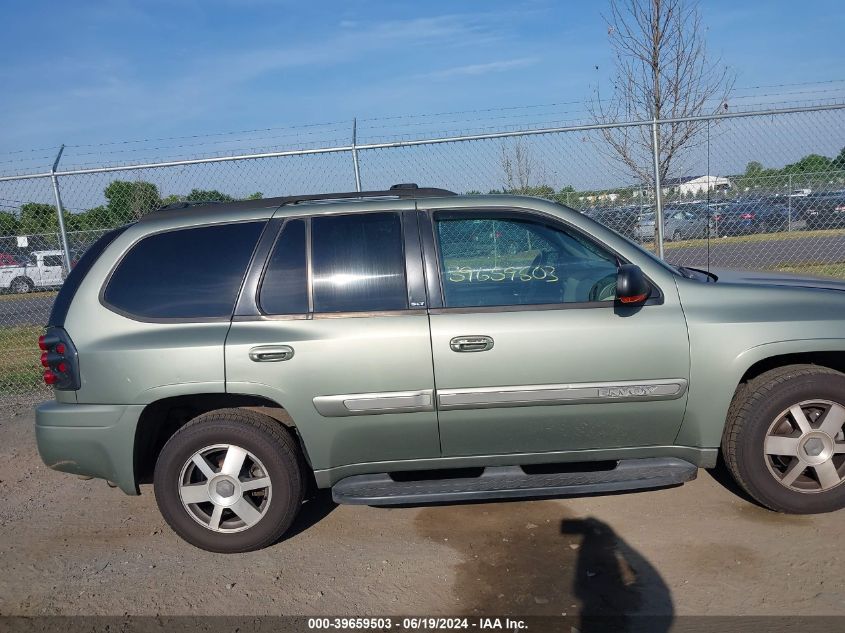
77	274
358	263
52	260
284	289
184	274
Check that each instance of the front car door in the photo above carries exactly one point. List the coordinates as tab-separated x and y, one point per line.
532	353
333	327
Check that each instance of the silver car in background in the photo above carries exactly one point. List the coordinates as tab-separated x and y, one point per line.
679	223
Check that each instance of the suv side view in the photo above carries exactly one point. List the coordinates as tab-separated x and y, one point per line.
414	346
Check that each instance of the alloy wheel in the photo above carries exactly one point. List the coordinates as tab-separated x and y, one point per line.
804	446
225	488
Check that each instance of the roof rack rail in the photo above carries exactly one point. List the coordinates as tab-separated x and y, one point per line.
184	204
404	190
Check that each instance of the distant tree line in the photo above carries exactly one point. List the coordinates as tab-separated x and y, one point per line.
126	201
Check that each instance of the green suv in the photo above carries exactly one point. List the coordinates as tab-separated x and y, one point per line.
415	346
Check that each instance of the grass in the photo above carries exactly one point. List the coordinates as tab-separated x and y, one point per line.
29	295
830	269
757	237
20	367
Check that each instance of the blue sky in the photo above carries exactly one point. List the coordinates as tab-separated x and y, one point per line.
89	72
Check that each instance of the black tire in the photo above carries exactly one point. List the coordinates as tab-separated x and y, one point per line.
262	437
21	285
755	408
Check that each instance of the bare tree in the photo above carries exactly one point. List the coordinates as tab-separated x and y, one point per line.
522	173
662	71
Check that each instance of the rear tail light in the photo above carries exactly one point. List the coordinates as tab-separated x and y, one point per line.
747	216
60	359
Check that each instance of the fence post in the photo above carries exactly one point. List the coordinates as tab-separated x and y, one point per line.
658	191
355	165
60	214
789	203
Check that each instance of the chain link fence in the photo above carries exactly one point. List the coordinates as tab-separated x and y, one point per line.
755	190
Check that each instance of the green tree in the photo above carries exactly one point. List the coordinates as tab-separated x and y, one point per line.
258	195
8	223
97	218
208	195
37	217
130	200
809	164
754	168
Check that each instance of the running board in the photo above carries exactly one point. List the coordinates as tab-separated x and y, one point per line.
509	482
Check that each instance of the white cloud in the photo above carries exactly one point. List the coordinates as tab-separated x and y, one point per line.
471	70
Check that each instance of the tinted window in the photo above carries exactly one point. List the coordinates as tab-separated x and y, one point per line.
189	273
358	263
493	261
77	274
284	289
52	260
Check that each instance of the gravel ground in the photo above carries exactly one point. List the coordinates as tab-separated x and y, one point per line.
77	547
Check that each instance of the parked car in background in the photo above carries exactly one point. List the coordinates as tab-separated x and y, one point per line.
752	216
679	223
823	210
41	269
623	220
7	259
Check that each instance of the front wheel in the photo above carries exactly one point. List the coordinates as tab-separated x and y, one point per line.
229	481
784	442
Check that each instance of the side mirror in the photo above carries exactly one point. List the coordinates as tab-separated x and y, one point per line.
632	288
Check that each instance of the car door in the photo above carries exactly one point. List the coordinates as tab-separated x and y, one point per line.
531	351
334	329
51	269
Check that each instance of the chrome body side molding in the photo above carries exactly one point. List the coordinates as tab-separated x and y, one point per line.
575	393
375	403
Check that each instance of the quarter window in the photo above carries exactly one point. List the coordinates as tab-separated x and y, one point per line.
358	263
497	261
184	274
284	289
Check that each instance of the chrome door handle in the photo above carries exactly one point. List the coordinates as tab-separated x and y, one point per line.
270	353
471	343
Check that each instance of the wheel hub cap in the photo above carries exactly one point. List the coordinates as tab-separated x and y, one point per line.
816	448
221	490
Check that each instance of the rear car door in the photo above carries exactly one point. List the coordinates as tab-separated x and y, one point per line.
333	327
52	270
532	353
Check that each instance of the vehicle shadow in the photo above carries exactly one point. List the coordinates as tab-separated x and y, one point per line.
723	477
312	512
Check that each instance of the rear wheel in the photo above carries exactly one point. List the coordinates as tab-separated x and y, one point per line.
230	481
21	285
784	442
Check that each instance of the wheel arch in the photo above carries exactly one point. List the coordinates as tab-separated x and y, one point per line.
27	280
162	418
712	387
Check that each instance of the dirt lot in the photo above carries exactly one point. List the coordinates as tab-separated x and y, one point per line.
77	547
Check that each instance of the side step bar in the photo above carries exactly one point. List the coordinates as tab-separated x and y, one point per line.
508	482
